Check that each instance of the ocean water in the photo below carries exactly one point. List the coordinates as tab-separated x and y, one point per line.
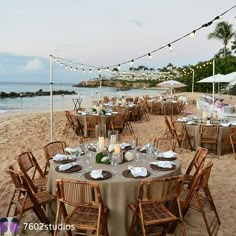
42	103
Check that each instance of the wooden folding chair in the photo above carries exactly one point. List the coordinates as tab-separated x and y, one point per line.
232	138
117	122
164	144
152	209
209	135
30	167
195	165
92	121
202	198
86	212
24	199
182	134
127	123
156	108
51	149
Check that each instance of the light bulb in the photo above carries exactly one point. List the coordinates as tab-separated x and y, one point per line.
149	56
90	71
132	62
83	70
119	67
170	47
192	34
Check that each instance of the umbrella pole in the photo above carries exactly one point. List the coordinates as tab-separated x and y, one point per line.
213	92
100	89
193	82
51	94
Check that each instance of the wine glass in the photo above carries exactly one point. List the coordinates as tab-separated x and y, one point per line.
114	162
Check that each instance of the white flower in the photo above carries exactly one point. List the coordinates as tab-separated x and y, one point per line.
111	148
129	156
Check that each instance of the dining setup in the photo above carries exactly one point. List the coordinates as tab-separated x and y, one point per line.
118	169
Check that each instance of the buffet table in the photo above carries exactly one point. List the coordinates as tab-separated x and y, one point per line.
117	192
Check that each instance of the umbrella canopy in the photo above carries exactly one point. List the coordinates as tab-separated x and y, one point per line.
218	79
231	77
171	84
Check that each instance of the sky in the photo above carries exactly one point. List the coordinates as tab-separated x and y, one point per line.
103	33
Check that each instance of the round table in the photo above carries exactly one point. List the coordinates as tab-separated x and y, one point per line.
117	192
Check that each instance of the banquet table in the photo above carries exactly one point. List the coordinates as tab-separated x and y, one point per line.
117	192
151	103
193	130
105	120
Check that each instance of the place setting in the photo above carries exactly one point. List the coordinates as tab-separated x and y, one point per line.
99	174
163	165
136	172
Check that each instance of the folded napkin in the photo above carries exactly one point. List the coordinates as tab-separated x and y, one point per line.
96	174
83	113
67	166
163	164
225	124
124	145
169	154
138	171
71	150
108	114
62	157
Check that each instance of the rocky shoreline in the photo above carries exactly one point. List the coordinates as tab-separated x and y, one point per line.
40	92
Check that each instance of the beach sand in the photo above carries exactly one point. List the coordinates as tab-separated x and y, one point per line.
30	132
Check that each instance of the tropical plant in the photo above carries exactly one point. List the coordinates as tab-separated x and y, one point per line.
224	32
233	46
222	53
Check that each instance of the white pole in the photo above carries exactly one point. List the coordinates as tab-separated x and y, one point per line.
213	92
193	81
51	94
100	89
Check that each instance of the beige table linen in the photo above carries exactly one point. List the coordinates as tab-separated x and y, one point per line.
117	192
223	134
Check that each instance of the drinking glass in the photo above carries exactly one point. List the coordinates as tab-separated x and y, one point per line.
114	163
88	160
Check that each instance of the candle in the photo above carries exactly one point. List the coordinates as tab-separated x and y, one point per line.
113	139
101	143
117	149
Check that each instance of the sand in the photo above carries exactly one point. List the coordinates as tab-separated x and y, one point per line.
30	132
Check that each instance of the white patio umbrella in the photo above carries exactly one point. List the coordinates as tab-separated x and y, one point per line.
231	77
218	78
171	84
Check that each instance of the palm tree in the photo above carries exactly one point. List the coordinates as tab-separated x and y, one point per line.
233	46
224	32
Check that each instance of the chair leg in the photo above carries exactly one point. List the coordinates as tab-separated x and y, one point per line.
133	223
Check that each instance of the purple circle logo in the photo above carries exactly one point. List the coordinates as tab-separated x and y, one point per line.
9	226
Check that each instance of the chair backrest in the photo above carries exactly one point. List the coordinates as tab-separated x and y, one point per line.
53	148
27	162
16	179
168	126
92	121
161	190
209	131
198	160
68	116
74	192
165	144
233	132
205	175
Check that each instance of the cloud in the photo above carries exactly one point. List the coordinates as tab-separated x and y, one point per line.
33	65
138	23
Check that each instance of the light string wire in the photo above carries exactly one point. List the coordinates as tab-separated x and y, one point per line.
65	62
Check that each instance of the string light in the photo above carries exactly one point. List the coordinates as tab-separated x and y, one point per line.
90	71
169	45
150	56
192	34
83	70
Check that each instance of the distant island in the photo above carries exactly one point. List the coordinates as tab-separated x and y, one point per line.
40	92
118	84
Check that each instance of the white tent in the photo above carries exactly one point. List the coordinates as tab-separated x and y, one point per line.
231	77
171	84
218	78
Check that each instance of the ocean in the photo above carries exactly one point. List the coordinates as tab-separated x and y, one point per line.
60	103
